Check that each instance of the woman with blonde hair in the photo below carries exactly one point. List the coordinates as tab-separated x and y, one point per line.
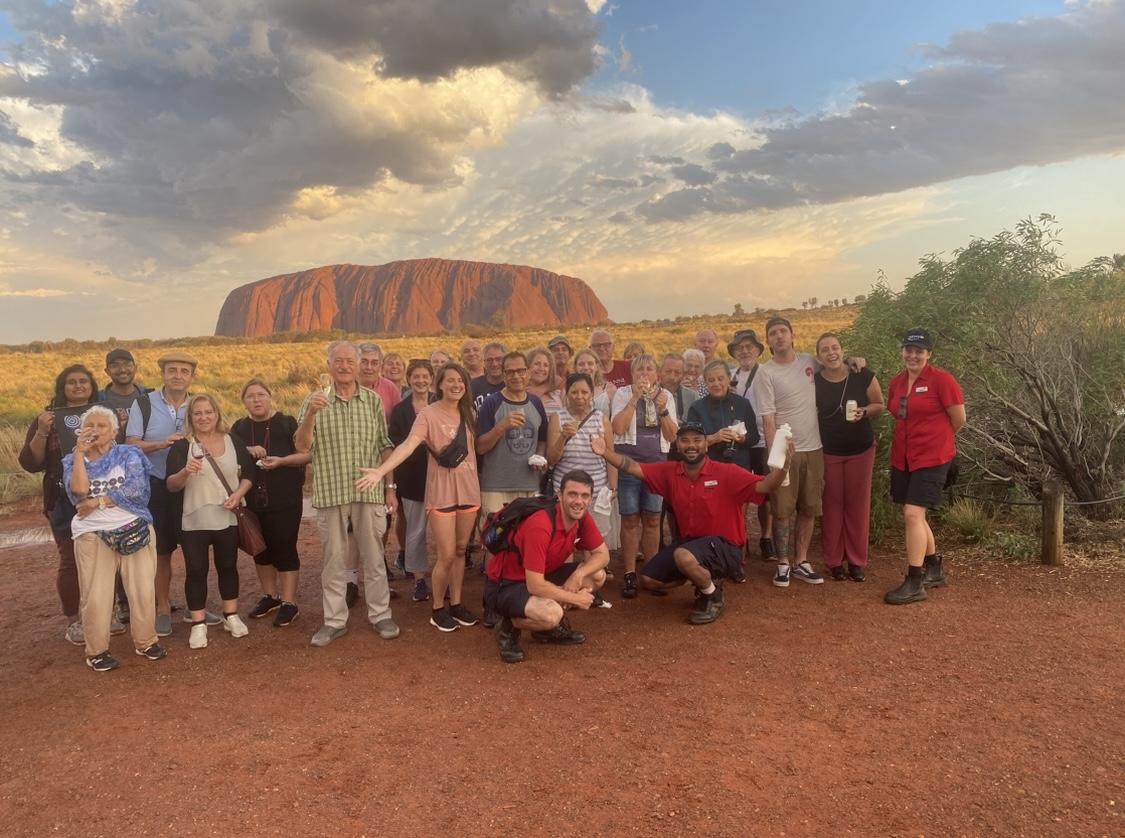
195	464
544	381
586	362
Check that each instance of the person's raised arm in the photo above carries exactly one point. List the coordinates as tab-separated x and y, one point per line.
618	461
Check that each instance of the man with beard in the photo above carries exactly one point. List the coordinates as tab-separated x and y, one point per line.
707	499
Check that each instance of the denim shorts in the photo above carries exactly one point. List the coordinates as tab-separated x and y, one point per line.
633	497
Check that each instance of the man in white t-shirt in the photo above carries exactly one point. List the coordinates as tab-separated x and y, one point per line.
785	393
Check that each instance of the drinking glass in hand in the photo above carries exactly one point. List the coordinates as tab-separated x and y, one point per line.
197	450
325	382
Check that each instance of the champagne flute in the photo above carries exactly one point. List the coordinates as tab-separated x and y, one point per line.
325	382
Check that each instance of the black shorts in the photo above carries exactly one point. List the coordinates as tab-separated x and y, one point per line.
921	487
509	597
167	510
718	555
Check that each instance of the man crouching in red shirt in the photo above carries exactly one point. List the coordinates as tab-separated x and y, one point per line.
530	584
707	498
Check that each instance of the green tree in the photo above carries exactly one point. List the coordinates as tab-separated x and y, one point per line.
1037	348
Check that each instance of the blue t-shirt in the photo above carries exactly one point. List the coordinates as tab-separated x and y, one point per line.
163	421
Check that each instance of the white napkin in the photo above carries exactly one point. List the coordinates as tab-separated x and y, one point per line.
604	503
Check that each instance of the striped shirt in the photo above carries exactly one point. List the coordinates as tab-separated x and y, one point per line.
348	434
577	454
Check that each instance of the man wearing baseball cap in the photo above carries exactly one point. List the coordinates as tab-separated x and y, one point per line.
122	389
707	498
562	351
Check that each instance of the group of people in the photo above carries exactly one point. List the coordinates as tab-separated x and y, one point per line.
628	446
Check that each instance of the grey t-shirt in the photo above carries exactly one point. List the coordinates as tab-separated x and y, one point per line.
505	466
788	391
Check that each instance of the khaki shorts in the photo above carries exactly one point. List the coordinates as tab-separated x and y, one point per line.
805	489
495	501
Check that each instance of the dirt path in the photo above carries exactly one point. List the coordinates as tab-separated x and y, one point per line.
993	708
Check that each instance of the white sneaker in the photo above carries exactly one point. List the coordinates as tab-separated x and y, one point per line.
198	639
235	626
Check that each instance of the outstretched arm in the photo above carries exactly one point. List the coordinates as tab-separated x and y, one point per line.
618	461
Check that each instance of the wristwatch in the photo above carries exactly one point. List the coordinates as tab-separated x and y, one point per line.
663	414
101	501
392	485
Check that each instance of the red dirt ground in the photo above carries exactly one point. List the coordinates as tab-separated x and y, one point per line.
993	708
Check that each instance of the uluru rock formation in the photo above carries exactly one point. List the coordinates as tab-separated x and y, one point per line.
409	297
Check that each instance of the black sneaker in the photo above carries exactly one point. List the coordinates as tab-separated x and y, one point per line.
351	596
508	641
560	635
102	663
266	605
442	620
738	575
463	615
856	572
837	573
286	614
707	606
154	652
769	552
629	586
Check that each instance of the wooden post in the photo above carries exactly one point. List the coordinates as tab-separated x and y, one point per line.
1052	551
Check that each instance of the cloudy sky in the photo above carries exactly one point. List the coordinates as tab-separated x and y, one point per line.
679	156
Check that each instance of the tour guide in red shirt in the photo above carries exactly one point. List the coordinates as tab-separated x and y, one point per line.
707	498
532	584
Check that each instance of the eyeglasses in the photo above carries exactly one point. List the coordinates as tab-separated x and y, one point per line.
601	345
902	408
520	371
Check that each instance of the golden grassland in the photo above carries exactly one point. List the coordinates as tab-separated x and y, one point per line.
27	374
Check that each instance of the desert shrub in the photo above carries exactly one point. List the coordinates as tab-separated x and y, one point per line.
970	518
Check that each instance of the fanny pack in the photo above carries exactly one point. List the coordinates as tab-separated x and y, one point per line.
128	539
455	453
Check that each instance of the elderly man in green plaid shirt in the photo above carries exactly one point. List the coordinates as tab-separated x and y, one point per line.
345	428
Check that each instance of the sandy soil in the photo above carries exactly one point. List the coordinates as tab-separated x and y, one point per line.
993	708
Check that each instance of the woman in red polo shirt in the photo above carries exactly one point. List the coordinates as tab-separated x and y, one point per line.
929	409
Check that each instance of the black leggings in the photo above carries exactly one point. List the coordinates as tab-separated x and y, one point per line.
194	543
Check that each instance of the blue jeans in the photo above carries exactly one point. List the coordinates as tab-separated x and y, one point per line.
633	497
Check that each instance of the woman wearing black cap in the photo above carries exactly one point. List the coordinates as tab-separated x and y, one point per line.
929	409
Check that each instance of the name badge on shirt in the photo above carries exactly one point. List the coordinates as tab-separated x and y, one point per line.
707	483
921	389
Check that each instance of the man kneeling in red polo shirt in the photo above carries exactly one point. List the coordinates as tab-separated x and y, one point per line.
530	584
707	498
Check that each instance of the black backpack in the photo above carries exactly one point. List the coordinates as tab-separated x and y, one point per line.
500	526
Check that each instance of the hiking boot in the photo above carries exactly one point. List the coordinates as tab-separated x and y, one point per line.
781	576
837	573
769	552
75	633
286	614
911	590
805	573
629	586
102	663
442	620
154	652
266	605
707	606
421	591
856	572
932	574
351	595
560	635
463	615
508	641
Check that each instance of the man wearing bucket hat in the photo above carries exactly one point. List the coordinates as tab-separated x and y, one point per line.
746	349
707	498
563	351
